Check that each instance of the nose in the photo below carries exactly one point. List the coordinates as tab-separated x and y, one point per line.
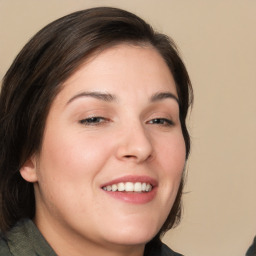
134	144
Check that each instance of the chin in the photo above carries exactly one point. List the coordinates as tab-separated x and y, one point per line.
131	239
128	235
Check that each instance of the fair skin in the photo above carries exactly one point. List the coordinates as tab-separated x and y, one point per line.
116	120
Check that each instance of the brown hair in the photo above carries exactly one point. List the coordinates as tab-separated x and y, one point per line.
35	78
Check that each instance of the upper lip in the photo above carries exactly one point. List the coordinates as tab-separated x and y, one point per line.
132	178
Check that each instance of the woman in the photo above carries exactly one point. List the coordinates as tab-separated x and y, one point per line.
93	138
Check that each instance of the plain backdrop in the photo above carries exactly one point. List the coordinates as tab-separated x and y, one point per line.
217	39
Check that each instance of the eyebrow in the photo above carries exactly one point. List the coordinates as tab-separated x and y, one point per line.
164	95
97	95
108	97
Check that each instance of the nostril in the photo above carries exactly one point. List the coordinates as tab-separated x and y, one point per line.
129	156
138	150
137	158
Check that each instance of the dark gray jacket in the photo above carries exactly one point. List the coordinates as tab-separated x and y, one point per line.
24	239
252	250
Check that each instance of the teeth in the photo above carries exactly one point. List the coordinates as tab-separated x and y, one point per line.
137	187
120	186
129	187
148	187
114	187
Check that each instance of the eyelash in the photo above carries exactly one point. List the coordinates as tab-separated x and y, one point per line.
93	121
98	120
161	121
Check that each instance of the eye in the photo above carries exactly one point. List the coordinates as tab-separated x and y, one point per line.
95	120
161	121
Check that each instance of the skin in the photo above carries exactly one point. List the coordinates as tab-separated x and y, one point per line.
136	135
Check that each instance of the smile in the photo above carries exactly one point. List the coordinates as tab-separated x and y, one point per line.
129	187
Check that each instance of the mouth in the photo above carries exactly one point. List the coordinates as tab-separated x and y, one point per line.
132	189
138	187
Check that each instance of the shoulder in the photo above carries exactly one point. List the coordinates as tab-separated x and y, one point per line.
4	249
157	248
166	251
25	239
252	250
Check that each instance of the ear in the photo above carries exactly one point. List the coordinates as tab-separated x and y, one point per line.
28	170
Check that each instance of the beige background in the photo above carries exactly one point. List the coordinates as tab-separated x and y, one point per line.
217	39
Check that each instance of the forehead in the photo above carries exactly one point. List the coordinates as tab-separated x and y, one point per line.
121	68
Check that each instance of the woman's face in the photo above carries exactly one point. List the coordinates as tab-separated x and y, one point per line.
113	153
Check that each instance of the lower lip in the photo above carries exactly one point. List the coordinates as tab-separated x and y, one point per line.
133	197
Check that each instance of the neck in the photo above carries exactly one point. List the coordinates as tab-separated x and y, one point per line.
65	244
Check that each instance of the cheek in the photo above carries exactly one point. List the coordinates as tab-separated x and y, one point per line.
73	158
172	153
67	170
171	160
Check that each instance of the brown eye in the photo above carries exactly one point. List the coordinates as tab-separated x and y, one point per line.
93	120
161	121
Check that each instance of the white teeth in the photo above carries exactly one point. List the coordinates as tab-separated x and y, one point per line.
137	187
114	187
120	186
129	187
148	187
